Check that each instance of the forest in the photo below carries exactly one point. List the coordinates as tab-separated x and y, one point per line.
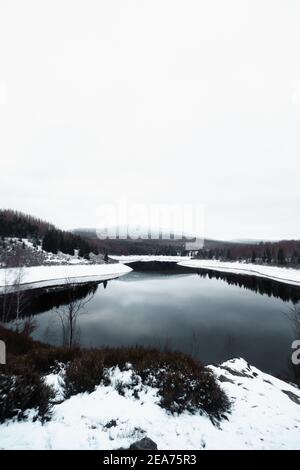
53	240
19	225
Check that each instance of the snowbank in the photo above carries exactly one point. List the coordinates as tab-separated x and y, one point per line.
45	276
265	415
145	258
284	275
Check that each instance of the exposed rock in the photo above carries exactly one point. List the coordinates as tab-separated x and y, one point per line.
292	396
235	372
111	424
144	444
222	378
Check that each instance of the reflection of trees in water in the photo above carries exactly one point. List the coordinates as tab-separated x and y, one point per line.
257	284
68	301
231	346
196	340
42	300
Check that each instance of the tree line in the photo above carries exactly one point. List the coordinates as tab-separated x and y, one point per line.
284	252
19	225
56	240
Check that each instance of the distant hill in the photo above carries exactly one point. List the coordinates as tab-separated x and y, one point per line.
252	241
86	240
276	252
172	246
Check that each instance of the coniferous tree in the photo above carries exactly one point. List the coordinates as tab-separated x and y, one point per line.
281	256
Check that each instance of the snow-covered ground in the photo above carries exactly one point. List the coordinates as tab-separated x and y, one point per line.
29	253
46	276
265	415
285	275
145	258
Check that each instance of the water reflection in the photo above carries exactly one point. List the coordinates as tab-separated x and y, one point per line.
259	285
197	313
262	286
41	300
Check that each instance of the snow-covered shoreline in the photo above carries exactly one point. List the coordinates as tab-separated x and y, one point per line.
265	415
149	258
284	275
50	276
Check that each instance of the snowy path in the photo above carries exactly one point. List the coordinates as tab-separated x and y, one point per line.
284	275
46	276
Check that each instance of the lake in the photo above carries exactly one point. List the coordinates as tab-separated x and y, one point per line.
213	316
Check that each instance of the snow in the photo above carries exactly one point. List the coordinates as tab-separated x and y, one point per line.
146	258
46	257
263	417
45	276
284	275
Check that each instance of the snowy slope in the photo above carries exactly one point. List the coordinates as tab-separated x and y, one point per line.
284	275
44	276
265	415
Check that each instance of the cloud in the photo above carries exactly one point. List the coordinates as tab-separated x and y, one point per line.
158	102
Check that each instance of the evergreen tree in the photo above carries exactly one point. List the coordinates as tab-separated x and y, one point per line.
281	256
268	255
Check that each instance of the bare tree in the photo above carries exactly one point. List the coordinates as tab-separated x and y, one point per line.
5	304
68	314
14	298
19	294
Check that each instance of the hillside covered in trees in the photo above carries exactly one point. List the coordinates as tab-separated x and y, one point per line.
54	240
19	225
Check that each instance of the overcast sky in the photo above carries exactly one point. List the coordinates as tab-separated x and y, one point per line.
157	101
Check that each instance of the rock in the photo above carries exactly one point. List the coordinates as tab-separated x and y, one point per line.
292	396
111	424
222	378
144	444
236	373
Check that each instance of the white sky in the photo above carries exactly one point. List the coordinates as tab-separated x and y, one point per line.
157	101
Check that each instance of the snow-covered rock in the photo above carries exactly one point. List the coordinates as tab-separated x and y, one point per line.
265	415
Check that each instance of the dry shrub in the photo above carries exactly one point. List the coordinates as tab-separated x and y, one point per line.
23	392
84	373
183	383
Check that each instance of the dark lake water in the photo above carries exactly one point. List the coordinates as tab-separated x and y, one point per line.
214	318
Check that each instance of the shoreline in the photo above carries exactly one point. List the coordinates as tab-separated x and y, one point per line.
53	276
289	276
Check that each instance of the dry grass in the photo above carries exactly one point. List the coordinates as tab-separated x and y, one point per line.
183	383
